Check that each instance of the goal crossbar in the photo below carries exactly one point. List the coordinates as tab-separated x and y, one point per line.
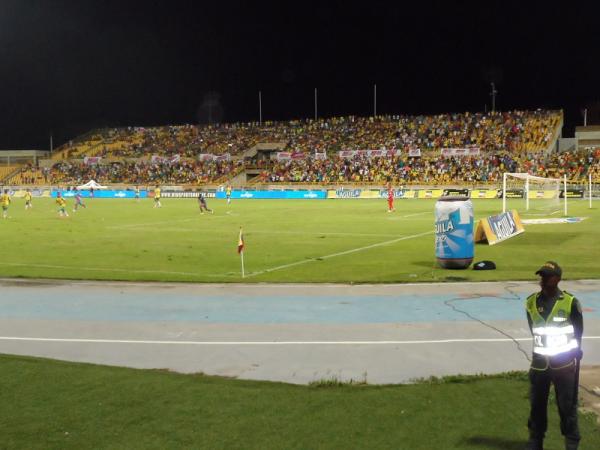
527	178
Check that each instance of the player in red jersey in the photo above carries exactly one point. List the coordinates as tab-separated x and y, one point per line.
390	198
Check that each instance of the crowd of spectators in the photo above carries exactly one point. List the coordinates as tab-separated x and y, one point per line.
432	169
132	172
514	132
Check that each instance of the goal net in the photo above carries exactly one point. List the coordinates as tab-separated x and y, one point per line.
539	195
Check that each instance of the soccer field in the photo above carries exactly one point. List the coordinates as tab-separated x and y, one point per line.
286	241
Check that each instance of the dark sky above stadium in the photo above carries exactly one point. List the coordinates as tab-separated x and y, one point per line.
70	66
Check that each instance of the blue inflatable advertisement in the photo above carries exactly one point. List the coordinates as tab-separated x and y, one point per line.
454	244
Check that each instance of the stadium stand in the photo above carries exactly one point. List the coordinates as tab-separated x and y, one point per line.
189	154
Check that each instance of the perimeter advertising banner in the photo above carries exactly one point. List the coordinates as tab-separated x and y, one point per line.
499	228
101	194
484	193
300	194
187	194
451	192
572	193
383	193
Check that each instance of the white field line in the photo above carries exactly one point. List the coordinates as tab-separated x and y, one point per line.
417	214
151	224
297	233
266	343
333	255
100	269
333	233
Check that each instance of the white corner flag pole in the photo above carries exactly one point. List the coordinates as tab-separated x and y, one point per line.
565	187
242	255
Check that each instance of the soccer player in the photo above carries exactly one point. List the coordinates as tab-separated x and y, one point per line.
390	198
78	202
62	204
157	197
203	205
28	203
137	194
228	193
5	201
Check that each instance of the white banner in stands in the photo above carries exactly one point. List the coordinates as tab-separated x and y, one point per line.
467	151
414	152
165	159
223	157
320	155
283	156
211	157
91	160
369	153
346	153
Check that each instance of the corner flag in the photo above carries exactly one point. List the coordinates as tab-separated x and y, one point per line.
241	250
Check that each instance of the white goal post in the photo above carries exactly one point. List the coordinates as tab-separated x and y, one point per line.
528	179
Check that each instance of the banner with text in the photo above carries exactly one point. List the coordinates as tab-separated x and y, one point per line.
467	151
89	160
499	228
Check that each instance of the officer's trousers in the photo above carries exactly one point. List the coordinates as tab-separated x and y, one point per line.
566	387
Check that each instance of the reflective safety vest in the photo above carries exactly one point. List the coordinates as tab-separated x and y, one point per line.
553	338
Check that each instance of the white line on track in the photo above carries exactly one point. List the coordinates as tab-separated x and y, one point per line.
347	252
270	343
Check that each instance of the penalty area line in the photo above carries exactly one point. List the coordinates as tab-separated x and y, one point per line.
269	343
333	255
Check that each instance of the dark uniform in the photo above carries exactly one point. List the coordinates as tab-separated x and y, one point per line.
556	323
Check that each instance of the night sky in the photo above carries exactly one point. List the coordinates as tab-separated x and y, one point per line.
70	66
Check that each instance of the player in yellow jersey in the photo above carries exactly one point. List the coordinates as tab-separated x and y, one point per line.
62	204
28	197
228	193
157	197
5	201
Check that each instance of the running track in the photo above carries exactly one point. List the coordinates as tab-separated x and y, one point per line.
292	333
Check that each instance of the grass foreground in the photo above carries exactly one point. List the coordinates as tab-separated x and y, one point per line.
49	404
338	241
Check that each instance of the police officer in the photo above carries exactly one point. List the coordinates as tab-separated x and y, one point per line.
556	323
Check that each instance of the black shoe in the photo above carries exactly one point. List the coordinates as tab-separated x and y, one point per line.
571	444
535	444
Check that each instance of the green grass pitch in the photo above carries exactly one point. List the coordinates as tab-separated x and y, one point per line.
61	405
337	241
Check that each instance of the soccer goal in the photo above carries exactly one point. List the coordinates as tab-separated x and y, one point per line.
539	193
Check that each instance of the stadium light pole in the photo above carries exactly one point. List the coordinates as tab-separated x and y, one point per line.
315	104
375	100
260	108
51	144
493	94
585	117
